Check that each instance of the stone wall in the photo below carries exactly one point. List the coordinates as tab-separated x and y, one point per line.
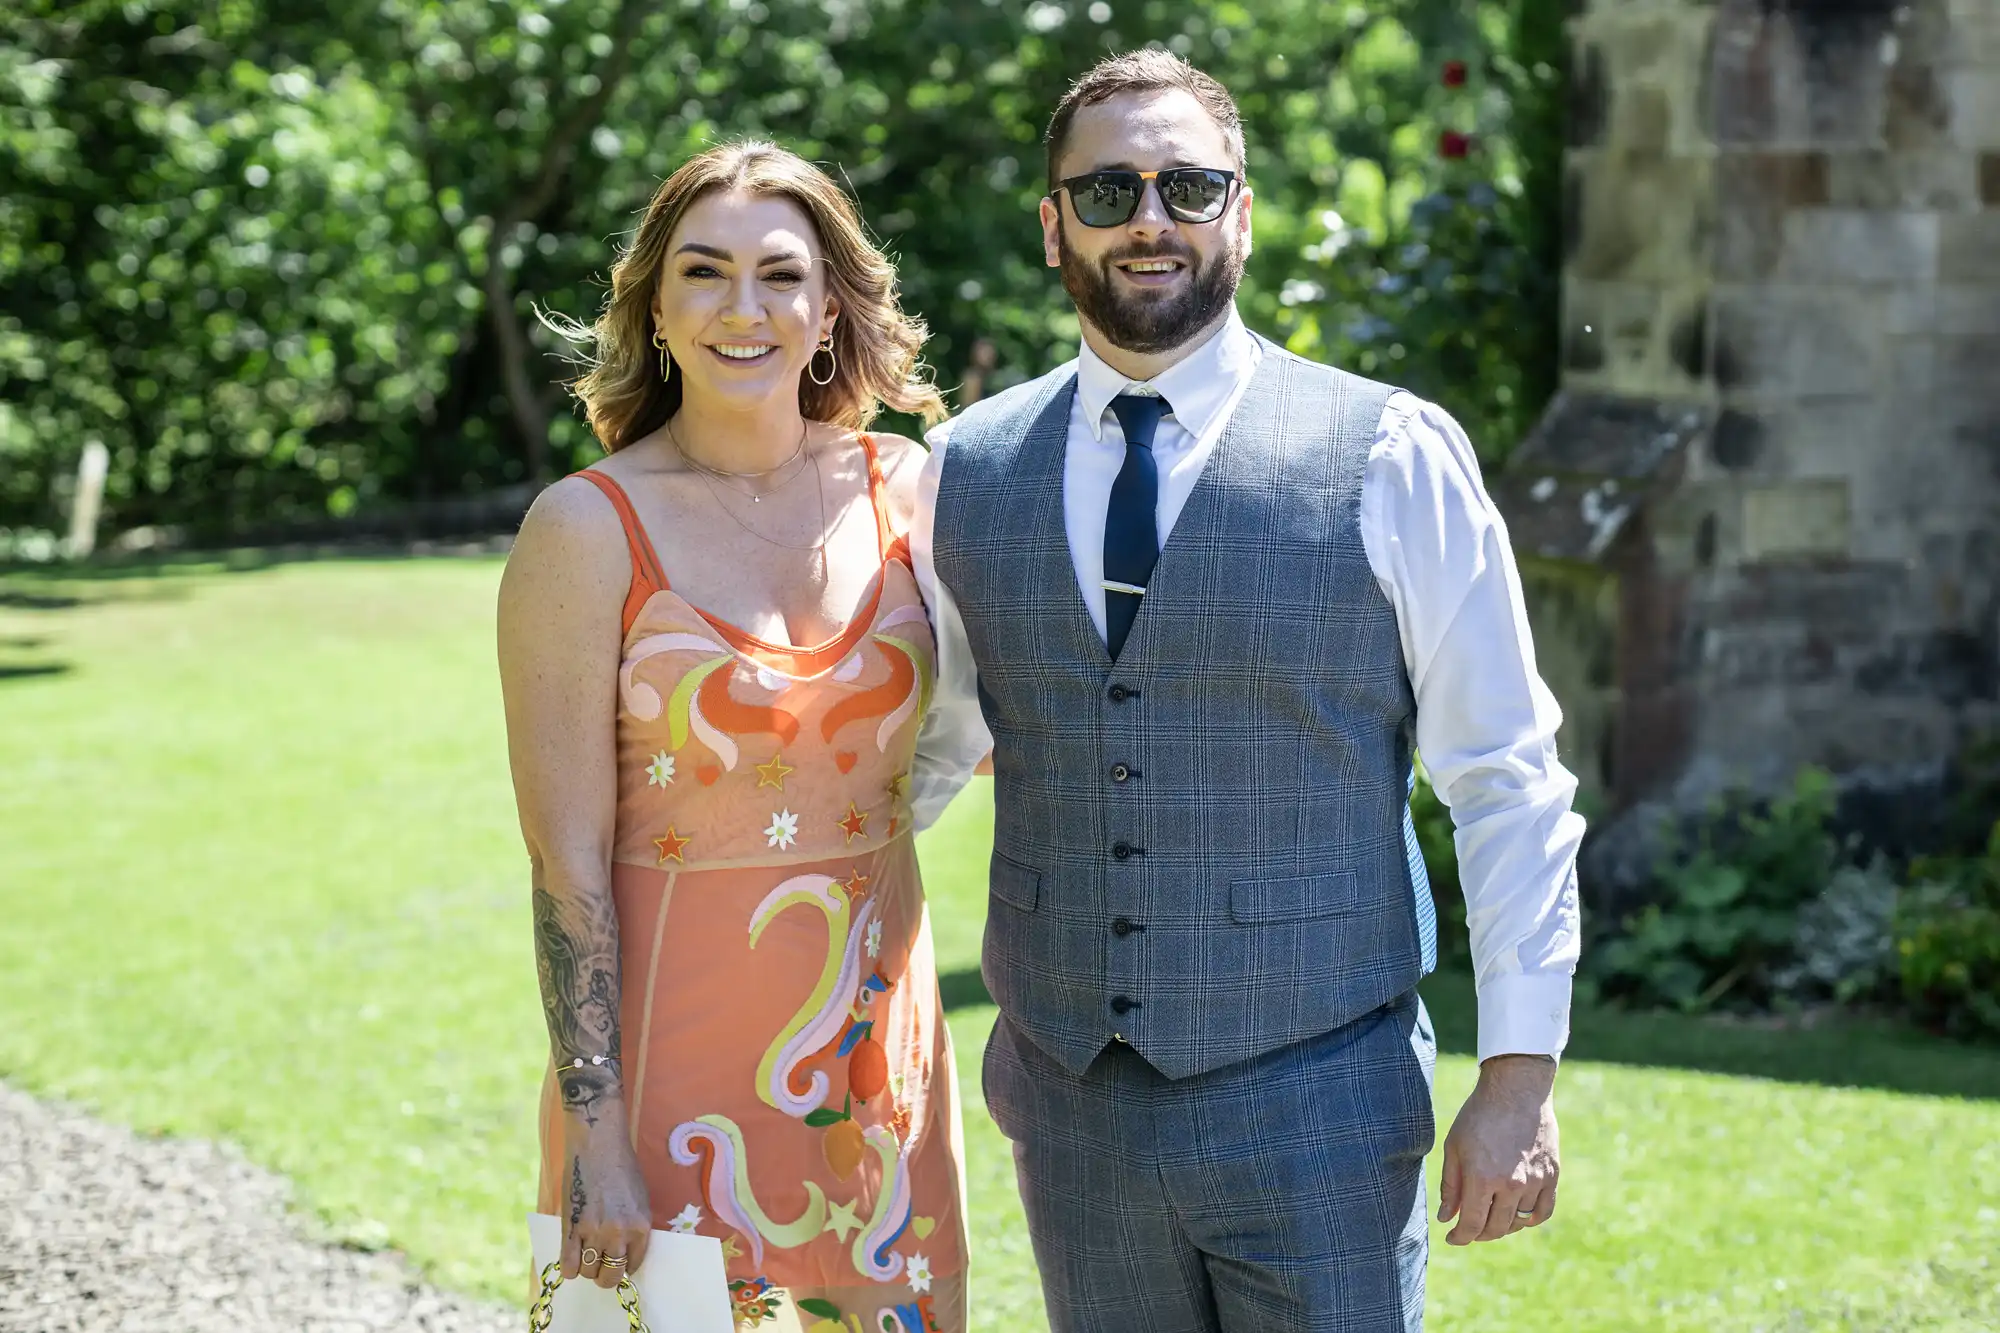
1785	215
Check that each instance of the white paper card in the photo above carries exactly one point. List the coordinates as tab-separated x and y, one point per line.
683	1286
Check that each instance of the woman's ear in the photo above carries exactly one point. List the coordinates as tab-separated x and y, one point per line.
829	317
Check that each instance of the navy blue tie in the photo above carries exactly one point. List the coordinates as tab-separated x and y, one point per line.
1131	527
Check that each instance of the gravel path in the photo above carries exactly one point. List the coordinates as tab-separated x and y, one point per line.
182	1237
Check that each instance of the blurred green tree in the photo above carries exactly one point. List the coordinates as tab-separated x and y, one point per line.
282	258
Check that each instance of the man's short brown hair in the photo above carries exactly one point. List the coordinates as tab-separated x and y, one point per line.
1149	71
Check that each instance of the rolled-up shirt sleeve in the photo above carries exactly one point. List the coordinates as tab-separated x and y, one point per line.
953	740
1486	722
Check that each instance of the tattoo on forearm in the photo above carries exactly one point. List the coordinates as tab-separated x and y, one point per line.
576	956
575	1190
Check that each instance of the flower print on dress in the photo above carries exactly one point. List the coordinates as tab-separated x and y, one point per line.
685	1221
660	773
784	831
918	1273
754	1300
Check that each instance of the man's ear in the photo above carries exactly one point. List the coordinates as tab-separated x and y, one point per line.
1243	219
1051	232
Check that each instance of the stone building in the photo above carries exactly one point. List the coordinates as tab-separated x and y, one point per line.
1760	525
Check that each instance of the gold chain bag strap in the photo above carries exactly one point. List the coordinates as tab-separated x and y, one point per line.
543	1310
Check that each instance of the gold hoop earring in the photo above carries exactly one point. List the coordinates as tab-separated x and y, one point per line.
832	364
666	362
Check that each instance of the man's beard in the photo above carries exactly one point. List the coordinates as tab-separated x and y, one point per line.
1143	322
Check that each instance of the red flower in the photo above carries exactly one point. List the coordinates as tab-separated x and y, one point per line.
1452	144
1454	73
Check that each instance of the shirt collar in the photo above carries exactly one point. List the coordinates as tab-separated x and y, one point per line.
1198	386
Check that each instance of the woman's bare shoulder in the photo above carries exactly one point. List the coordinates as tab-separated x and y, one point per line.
571	531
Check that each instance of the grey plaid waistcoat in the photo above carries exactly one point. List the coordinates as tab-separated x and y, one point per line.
1204	849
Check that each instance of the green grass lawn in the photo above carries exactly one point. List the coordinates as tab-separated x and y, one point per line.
260	880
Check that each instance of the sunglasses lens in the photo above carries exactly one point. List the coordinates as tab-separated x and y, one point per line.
1194	195
1105	200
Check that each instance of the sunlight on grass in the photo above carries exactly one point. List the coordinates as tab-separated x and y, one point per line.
261	880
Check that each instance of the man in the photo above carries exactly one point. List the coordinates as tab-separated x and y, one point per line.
1205	597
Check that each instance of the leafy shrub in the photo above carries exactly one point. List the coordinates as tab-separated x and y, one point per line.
1948	942
1844	944
1726	920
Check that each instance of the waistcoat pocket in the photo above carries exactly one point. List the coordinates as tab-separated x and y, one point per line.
1015	884
1304	898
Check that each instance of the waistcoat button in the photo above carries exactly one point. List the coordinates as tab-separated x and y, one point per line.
1121	851
1120	773
1122	927
1121	1005
1119	694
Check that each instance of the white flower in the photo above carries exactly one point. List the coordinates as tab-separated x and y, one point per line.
661	771
784	830
919	1273
874	939
689	1219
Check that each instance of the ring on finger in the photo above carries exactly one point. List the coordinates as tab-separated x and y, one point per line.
589	1257
1524	1214
612	1261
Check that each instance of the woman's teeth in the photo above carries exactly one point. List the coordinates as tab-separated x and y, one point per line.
740	351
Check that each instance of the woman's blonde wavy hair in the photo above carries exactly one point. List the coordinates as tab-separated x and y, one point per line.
875	345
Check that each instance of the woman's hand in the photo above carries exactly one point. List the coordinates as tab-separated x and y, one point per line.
606	1214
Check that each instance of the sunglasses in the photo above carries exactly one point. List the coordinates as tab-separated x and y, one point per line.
1110	198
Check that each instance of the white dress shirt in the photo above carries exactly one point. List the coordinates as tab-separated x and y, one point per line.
1486	724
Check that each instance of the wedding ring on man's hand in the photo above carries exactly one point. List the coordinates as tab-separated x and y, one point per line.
589	1256
1523	1214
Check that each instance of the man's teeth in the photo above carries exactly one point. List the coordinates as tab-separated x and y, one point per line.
1153	266
740	353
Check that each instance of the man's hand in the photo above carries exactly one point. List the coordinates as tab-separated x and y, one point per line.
1501	1157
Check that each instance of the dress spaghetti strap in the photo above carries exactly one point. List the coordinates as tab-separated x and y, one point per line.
885	536
647	576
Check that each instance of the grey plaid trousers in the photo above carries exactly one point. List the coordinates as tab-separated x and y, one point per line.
1284	1194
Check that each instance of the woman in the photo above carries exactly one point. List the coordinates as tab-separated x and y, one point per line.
715	662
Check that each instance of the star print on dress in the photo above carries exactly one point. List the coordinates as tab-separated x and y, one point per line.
856	822
660	772
840	1220
673	847
773	773
898	785
784	830
686	1220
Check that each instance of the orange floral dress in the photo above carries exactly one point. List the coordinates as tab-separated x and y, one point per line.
789	1075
